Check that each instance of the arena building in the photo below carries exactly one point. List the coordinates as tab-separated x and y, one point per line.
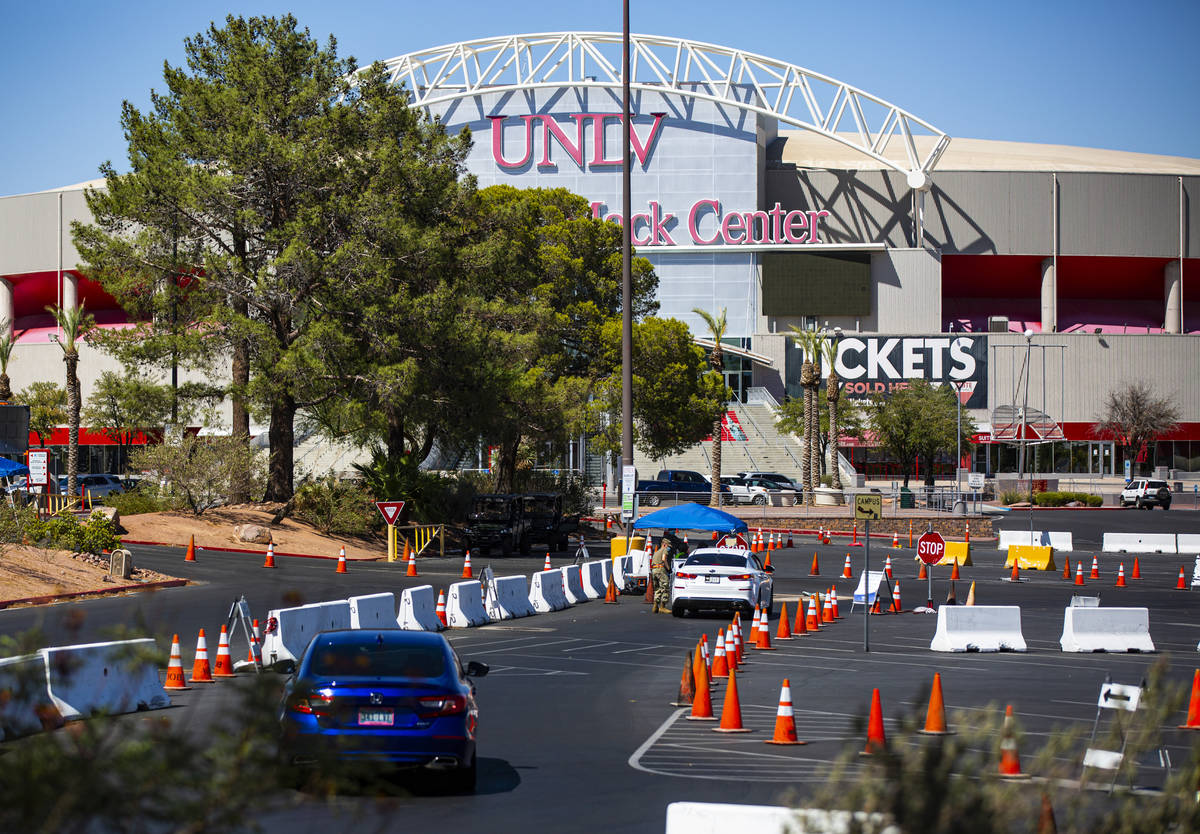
1024	275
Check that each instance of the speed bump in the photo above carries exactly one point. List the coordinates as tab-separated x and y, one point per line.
1030	557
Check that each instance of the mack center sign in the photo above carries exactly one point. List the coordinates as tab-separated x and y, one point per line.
869	365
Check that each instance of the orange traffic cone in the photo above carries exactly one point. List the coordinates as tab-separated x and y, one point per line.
704	654
610	594
1010	761
854	540
1180	585
731	712
816	569
954	571
784	632
201	671
412	561
1095	574
341	565
876	741
785	718
255	641
895	539
702	701
814	620
764	634
887	567
1137	569
441	608
190	556
847	573
255	646
833	603
1046	823
175	668
951	598
720	664
546	565
754	626
921	574
935	716
1067	569
270	562
467	573
790	545
896	606
687	682
739	647
1120	576
767	561
1079	573
1193	716
1015	576
827	610
224	665
875	609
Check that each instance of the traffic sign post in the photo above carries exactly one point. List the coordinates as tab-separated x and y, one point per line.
866	507
390	510
931	547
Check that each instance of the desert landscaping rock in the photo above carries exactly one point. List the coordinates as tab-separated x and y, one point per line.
252	533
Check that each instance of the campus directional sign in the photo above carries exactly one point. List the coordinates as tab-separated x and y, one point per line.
390	510
931	547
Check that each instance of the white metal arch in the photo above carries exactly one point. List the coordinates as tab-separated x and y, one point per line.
689	69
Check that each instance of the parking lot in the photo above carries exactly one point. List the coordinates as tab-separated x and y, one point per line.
577	729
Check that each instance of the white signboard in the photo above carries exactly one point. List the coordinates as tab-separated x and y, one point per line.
39	467
975	480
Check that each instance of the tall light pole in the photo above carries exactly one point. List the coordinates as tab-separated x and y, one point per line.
958	453
1024	423
626	258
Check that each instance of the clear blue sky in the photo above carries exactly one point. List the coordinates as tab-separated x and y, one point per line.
1098	74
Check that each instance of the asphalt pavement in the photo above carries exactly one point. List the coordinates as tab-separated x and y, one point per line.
577	731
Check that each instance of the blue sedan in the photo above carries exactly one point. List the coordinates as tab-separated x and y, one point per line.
393	696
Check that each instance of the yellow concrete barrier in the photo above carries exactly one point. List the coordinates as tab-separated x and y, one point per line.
1030	557
957	551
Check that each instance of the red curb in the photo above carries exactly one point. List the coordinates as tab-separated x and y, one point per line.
119	589
256	552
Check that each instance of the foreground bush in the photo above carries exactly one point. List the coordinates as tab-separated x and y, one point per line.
333	506
1061	499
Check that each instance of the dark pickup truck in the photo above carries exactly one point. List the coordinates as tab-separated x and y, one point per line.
679	484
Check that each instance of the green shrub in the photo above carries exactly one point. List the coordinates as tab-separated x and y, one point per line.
1061	499
334	506
97	535
1013	496
64	532
15	522
145	498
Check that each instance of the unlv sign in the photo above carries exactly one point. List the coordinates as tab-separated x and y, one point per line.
573	140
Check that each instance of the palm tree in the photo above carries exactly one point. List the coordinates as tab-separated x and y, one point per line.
717	325
6	347
832	393
74	324
813	344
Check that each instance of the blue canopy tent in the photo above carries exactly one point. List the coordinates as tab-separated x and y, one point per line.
9	468
691	517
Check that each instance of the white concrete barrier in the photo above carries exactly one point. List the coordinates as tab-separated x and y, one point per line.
295	627
1187	543
508	598
726	818
1057	539
595	583
108	678
373	611
1106	630
622	567
464	605
546	592
418	609
978	628
1139	543
639	561
24	698
573	584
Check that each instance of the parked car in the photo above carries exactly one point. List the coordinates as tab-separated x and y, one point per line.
1145	494
682	484
756	490
498	521
394	696
721	577
783	481
97	486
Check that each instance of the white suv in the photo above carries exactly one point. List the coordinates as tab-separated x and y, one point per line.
1145	494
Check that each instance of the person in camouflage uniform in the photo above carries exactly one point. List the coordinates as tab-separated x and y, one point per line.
660	571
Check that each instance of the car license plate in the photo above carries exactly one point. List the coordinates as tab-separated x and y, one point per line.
712	579
375	718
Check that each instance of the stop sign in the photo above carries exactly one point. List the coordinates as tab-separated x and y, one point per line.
931	547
